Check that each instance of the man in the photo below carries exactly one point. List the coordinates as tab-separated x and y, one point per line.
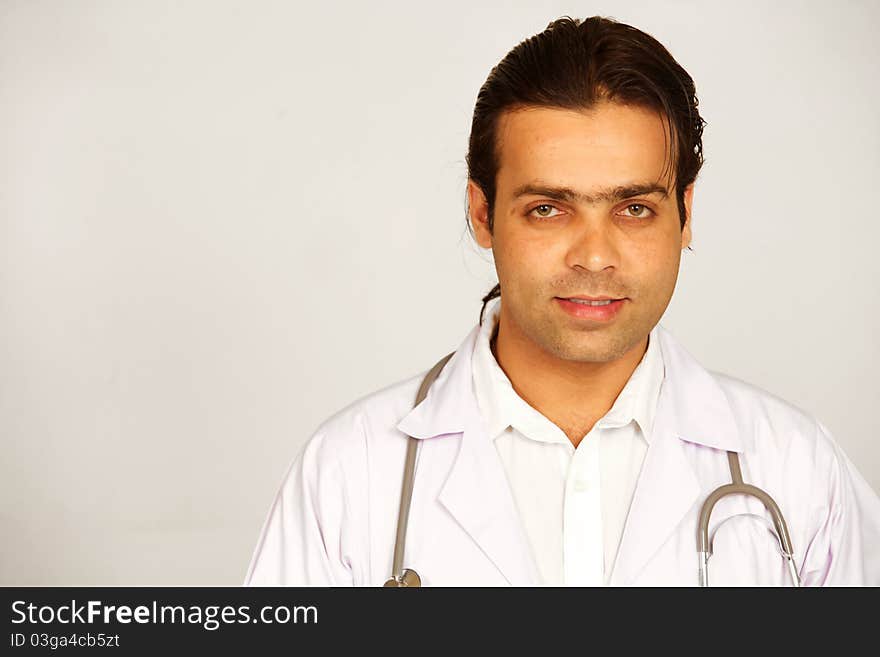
571	440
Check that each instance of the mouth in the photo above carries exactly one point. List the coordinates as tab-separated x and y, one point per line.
597	309
591	301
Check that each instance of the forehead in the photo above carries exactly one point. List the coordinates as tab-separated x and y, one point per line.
608	145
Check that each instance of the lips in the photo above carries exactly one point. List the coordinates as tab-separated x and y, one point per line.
597	309
591	301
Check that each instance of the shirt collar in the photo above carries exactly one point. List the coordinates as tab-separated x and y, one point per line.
502	407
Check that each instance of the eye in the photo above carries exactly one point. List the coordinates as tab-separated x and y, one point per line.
539	211
638	211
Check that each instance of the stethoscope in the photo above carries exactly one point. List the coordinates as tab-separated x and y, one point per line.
401	576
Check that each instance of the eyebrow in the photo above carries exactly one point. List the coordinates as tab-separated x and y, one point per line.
608	194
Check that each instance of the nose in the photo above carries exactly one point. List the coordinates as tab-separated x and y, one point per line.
593	246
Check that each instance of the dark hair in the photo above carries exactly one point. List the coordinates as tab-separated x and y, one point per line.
574	64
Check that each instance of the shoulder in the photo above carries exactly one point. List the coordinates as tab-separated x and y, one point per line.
761	405
773	422
368	422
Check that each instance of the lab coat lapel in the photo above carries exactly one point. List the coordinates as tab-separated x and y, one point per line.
478	496
692	408
667	488
476	492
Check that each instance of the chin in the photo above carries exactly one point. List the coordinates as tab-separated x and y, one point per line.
592	353
593	356
593	347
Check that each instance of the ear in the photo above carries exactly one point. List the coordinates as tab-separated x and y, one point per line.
686	229
478	211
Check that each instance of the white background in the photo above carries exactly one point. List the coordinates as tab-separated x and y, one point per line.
222	222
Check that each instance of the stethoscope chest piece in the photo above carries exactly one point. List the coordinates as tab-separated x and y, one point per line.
409	578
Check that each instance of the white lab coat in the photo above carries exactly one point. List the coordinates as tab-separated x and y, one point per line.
333	522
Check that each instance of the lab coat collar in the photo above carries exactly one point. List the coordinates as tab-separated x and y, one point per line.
450	399
700	409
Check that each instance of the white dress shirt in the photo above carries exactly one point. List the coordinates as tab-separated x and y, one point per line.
573	502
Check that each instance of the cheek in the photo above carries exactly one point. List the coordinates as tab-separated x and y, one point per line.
529	260
657	248
652	264
652	256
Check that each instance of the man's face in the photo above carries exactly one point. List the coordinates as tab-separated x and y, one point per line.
608	240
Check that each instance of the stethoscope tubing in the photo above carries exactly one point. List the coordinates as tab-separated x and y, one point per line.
399	575
738	487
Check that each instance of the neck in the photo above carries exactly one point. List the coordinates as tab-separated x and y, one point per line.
573	395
